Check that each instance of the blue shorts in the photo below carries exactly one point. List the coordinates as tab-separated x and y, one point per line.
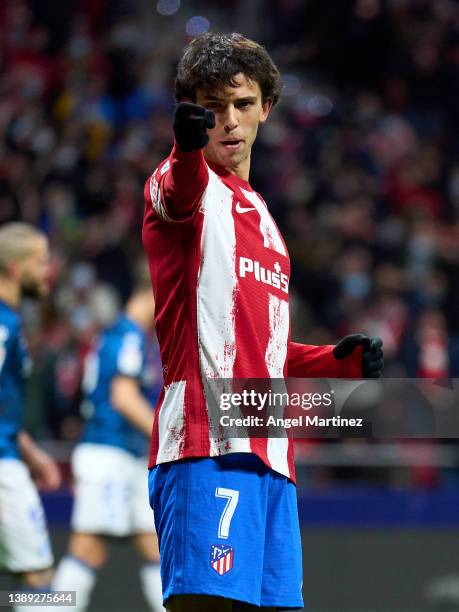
228	526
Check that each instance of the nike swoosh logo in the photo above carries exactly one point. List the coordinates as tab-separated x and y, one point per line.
241	210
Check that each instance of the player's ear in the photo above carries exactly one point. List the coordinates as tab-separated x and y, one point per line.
266	106
12	268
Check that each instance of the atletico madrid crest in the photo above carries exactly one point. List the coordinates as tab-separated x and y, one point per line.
221	558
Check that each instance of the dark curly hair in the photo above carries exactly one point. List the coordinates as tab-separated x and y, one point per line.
211	61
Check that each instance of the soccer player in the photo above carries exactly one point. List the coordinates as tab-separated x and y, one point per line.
225	509
110	465
24	544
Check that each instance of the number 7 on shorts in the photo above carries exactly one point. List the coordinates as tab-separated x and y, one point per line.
225	520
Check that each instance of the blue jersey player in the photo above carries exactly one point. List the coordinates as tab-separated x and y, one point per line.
24	544
110	465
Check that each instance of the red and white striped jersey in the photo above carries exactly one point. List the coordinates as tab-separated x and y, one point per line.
220	272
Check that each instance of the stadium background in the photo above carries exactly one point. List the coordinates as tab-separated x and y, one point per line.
360	166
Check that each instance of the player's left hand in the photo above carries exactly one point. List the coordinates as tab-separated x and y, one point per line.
372	354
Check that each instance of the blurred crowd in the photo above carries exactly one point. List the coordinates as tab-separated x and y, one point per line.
359	164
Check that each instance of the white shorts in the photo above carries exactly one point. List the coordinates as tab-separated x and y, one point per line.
24	541
111	492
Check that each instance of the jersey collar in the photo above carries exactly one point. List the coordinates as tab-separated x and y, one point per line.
228	177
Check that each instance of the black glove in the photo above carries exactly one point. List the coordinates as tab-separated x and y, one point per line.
372	355
191	123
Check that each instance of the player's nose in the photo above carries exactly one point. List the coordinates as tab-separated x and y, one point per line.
230	119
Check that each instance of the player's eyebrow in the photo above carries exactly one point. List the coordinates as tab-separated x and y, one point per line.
212	98
247	99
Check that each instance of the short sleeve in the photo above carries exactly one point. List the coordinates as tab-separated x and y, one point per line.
130	356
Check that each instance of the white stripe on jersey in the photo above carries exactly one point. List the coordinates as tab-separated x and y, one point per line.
271	236
216	294
171	421
277	451
156	202
276	351
217	282
165	167
276	354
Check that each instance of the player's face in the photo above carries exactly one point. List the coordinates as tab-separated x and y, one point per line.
33	270
238	112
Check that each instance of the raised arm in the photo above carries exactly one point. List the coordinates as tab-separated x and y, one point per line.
176	188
